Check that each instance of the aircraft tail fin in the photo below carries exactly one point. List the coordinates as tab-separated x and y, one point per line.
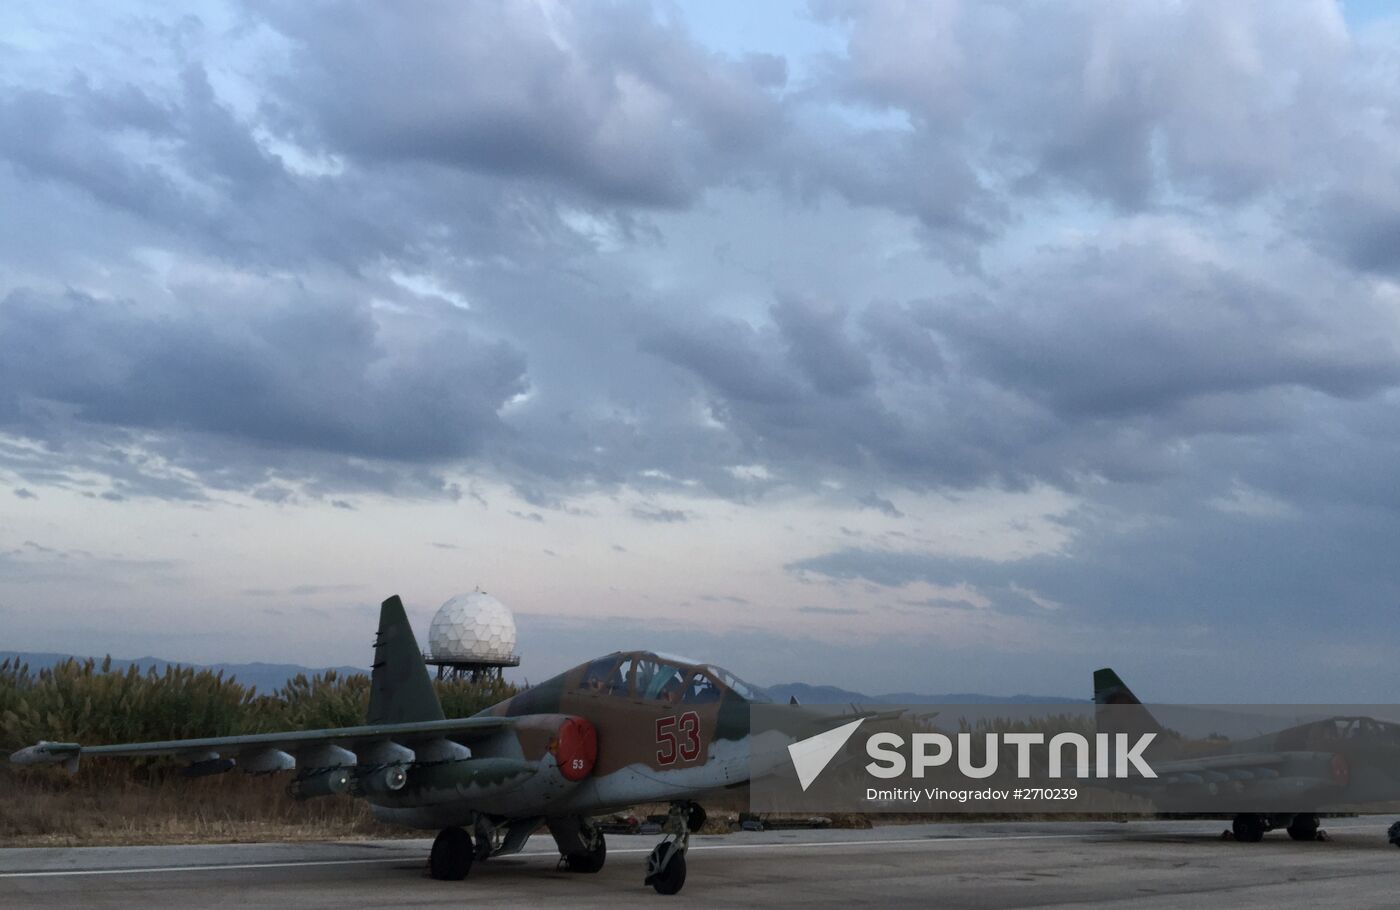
1116	712
401	691
1109	689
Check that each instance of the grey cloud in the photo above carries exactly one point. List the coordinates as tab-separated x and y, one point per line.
293	371
274	492
902	333
732	356
725	598
939	603
927	392
301	590
24	493
1359	222
819	345
1113	94
1140	107
664	516
1190	564
1094	360
66	137
1144	190
872	500
610	101
1195	328
526	516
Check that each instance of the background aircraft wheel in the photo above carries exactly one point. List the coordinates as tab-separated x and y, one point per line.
452	854
670	879
1393	835
592	861
695	818
1248	828
1303	827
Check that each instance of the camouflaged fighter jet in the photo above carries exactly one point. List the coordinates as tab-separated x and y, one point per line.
629	728
1334	762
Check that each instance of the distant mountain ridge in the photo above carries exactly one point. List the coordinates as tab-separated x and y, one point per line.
268	678
820	695
264	678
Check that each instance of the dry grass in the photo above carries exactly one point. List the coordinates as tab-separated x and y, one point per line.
143	800
47	808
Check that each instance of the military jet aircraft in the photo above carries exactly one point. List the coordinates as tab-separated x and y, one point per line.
1337	761
632	727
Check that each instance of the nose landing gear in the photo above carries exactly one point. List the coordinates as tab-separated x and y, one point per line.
666	864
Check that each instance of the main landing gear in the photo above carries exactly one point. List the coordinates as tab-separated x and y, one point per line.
1303	827
1250	827
593	854
452	855
666	864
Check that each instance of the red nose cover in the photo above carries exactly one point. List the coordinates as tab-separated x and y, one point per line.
1341	770
575	748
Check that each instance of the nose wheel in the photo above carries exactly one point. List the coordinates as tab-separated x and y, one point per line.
666	864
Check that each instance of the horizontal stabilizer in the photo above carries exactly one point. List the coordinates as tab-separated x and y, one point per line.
47	753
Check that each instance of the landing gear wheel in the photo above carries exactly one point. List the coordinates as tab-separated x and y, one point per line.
452	855
592	861
695	818
1248	828
1393	835
666	868
1303	827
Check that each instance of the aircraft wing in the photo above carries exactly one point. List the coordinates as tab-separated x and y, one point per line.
1274	779
1243	761
311	748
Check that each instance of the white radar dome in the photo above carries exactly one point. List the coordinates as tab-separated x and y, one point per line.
473	626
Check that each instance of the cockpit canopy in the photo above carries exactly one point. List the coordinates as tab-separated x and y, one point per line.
666	678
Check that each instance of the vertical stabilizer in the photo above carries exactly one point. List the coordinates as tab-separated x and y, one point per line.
1109	689
1118	710
401	691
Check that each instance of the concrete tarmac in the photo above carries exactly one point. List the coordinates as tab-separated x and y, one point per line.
1145	864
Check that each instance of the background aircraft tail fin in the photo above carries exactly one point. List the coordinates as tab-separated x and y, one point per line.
1115	712
401	691
1109	689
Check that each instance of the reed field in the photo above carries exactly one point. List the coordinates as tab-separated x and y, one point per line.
125	801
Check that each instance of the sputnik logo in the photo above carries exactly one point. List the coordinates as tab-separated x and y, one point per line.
810	756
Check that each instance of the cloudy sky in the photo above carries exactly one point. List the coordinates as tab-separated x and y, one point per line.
934	346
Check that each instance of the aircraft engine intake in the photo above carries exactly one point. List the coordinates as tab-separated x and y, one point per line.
208	767
381	781
575	748
323	783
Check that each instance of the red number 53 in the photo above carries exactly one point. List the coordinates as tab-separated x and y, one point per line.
670	745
